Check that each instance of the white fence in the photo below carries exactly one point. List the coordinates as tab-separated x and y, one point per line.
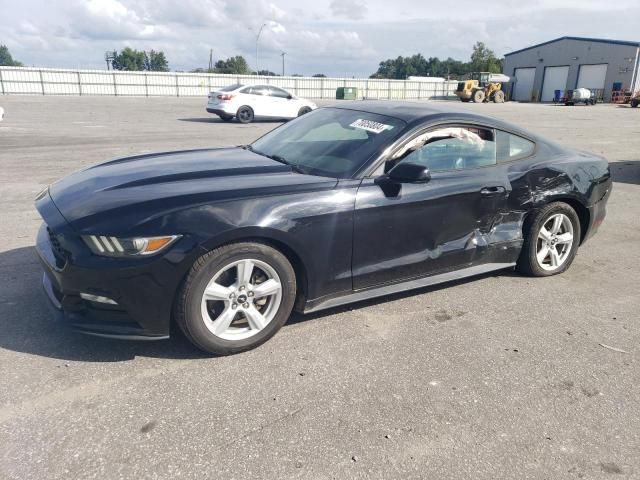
48	81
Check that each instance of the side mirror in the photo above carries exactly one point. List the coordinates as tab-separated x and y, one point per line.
406	172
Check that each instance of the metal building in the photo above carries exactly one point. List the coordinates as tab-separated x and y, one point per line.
568	63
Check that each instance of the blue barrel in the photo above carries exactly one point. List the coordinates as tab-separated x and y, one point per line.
557	95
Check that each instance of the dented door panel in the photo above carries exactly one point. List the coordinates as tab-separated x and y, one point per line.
424	229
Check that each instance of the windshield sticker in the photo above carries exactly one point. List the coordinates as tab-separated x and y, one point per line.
370	126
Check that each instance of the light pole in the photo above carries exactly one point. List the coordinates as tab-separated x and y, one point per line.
257	40
282	55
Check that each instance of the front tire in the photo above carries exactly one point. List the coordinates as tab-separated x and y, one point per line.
303	111
551	241
498	97
236	297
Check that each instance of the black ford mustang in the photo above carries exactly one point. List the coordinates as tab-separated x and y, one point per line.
342	204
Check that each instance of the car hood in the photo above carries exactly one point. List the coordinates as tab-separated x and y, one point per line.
149	185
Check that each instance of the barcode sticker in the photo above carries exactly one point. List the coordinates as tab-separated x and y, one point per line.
370	126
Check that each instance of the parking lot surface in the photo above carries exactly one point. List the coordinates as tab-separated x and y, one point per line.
500	376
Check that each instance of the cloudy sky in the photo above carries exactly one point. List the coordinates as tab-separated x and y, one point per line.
335	37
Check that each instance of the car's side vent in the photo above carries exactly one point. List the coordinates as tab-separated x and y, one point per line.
58	251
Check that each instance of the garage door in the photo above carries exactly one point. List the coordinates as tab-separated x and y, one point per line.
592	76
555	78
523	84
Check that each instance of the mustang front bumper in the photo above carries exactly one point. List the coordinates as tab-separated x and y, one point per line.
109	299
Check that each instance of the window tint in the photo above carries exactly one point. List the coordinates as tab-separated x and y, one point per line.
332	132
452	148
332	142
278	92
512	147
256	90
230	88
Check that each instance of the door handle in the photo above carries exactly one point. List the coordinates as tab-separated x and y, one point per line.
489	191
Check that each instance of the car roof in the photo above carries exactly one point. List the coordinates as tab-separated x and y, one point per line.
259	85
417	113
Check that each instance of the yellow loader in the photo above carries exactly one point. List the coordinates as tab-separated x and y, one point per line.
482	87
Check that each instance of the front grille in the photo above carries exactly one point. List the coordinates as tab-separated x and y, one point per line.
56	246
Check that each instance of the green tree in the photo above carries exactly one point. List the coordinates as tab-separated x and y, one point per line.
138	60
319	75
128	59
6	59
403	67
267	73
155	61
484	60
236	65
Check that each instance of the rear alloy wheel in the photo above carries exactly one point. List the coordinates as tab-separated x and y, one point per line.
245	114
236	297
478	96
303	110
551	242
498	97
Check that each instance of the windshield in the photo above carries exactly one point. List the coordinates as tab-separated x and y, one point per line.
331	142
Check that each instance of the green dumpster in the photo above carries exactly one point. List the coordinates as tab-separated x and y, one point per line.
346	93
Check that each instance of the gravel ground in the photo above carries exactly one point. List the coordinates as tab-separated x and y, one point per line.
500	376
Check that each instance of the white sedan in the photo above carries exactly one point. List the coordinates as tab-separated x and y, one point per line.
248	102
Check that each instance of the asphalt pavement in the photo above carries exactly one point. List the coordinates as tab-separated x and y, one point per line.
497	377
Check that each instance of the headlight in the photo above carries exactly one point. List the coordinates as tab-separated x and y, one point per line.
41	194
128	247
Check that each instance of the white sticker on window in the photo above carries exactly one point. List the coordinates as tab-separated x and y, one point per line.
370	126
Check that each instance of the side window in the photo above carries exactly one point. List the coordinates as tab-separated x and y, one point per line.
451	148
278	92
512	147
256	90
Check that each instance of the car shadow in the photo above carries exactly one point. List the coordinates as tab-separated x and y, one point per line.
626	171
27	325
215	119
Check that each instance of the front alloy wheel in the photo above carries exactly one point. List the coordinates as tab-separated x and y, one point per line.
236	297
241	299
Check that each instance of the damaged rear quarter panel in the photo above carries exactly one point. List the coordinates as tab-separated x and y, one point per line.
555	174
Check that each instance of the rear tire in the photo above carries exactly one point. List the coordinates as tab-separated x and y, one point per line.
478	96
551	240
245	114
236	297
